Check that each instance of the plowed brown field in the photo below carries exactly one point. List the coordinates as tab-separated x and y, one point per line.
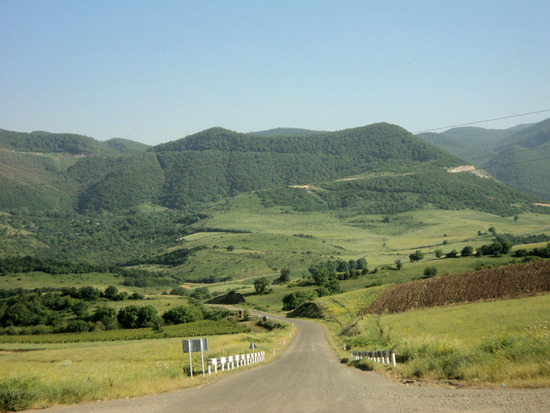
504	282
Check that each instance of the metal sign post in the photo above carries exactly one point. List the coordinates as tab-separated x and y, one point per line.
253	347
190	346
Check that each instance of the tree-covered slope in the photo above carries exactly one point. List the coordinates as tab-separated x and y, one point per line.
469	143
46	142
126	146
517	156
192	172
393	193
285	132
217	162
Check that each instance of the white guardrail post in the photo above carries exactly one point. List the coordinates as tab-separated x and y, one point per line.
232	362
386	357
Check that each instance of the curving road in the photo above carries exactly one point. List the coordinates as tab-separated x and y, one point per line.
309	378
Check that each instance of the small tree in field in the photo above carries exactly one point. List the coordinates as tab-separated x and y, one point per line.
285	275
430	272
416	256
467	251
398	265
261	285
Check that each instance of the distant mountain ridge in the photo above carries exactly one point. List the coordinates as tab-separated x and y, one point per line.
286	132
46	142
517	156
191	173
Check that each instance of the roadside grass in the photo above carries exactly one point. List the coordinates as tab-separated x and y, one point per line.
42	375
504	342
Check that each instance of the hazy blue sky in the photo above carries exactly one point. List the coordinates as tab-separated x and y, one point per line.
154	71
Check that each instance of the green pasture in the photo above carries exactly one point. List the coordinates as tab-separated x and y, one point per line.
342	234
33	280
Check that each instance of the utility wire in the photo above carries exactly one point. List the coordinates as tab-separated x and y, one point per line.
483	121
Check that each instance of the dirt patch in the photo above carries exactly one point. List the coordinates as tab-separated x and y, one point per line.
539	204
308	187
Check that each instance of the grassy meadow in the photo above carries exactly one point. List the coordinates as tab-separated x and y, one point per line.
505	342
280	237
40	374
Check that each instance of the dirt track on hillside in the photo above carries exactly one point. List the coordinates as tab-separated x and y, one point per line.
309	378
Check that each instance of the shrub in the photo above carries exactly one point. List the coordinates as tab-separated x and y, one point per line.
181	315
293	300
17	393
430	272
416	256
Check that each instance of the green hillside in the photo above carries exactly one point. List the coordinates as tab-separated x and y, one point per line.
126	146
285	132
156	208
46	142
516	156
469	143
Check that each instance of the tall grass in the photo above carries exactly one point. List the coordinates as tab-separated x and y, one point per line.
40	375
490	343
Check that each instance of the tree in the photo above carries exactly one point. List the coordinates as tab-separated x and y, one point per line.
321	276
438	253
261	285
430	272
201	293
293	300
452	254
398	265
128	316
285	275
467	251
343	266
111	293
133	316
182	314
89	293
105	315
361	264
416	256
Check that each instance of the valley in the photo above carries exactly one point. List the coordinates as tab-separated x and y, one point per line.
91	235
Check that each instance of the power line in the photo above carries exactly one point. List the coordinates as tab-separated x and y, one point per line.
483	121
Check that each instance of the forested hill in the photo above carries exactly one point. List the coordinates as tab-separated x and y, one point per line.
381	141
517	156
46	142
217	163
285	132
190	173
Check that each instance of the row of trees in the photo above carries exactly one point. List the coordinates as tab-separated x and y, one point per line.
69	311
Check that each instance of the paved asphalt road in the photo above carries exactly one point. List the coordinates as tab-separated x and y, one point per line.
309	378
